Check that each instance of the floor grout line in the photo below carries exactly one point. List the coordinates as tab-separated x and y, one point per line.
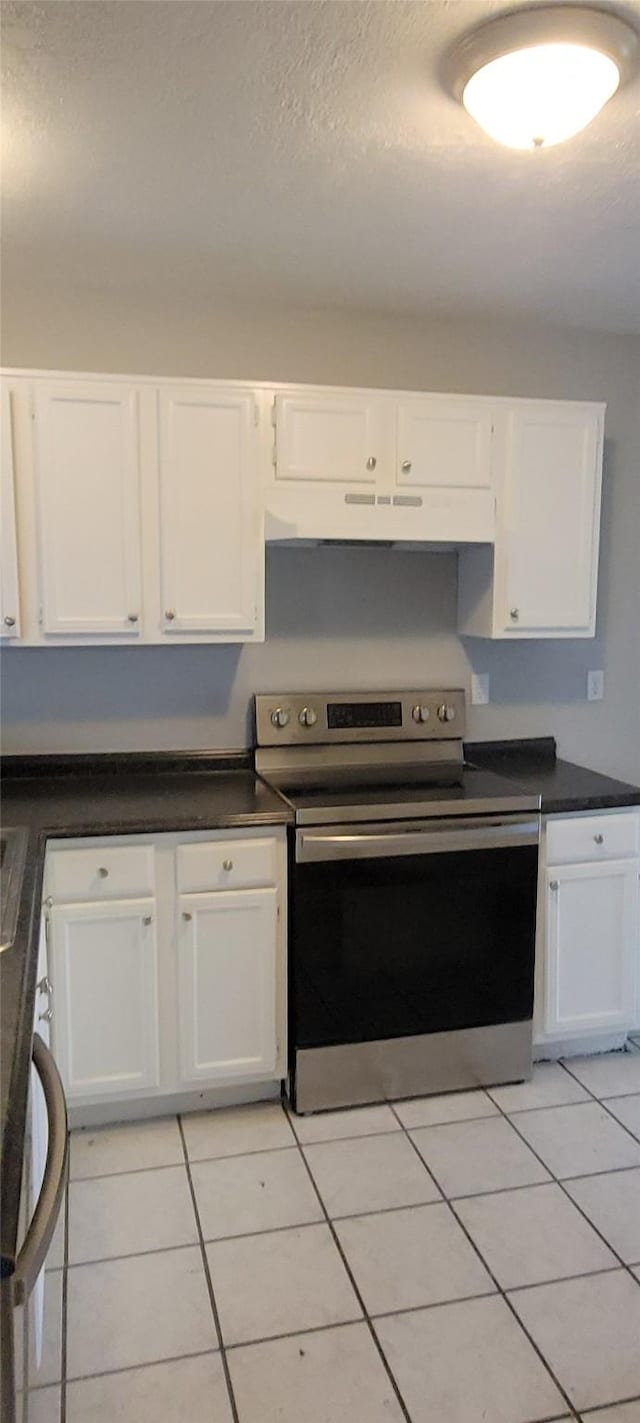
562	1391
366	1318
209	1283
602	1102
561	1182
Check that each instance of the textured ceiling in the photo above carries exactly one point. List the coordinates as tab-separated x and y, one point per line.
301	151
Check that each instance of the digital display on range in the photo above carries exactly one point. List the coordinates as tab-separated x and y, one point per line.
353	716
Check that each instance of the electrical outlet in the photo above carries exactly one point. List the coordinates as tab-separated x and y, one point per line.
595	686
479	689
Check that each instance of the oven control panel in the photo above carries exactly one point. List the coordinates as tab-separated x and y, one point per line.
291	718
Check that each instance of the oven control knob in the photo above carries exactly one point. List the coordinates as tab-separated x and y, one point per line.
280	717
446	712
420	713
307	717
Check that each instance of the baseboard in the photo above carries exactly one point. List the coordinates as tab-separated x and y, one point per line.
96	1114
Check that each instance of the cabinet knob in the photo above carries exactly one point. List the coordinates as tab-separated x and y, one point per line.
45	986
371	462
405	466
187	916
514	614
132	617
148	919
227	864
170	614
599	839
9	621
103	872
46	1016
553	884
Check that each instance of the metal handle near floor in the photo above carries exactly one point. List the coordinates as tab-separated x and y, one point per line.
44	1219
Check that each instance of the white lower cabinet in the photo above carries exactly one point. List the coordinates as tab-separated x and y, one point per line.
172	991
104	972
227	984
588	930
592	947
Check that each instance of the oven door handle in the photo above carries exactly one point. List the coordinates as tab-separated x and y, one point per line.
43	1222
490	833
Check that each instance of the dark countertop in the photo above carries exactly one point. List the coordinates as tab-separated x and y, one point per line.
563	786
56	797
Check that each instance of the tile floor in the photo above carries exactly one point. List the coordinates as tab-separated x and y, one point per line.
472	1258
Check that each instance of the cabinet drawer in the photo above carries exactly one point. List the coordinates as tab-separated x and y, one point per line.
225	864
121	872
594	837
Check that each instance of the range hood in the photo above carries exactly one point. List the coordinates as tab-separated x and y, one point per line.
438	519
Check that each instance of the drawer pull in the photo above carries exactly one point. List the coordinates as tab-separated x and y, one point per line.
599	839
227	864
103	872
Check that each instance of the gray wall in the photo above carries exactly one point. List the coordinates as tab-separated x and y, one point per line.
345	617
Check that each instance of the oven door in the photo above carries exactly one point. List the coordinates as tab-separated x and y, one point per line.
412	928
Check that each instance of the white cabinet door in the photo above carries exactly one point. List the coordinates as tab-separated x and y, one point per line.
9	586
551	519
211	522
444	441
104	962
227	984
88	496
592	930
330	438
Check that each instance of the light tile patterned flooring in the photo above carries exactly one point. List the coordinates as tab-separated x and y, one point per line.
472	1258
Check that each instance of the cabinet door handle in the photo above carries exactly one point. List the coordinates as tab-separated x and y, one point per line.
170	614
514	614
132	617
405	466
11	622
227	864
599	839
148	919
187	916
371	462
103	872
553	884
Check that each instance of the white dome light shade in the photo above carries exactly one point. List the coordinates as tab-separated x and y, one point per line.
536	97
535	76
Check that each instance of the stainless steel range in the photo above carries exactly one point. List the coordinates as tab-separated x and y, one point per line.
412	898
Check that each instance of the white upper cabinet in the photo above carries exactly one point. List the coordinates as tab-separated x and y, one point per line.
541	580
211	542
9	587
552	500
444	441
88	499
328	438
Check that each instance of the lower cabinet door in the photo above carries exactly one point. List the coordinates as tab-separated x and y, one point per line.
592	923
104	961
227	984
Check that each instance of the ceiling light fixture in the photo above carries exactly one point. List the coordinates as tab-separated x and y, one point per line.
535	77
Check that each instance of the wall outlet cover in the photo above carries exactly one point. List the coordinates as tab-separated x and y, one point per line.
479	689
595	686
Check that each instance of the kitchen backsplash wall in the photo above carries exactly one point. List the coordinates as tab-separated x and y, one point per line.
355	618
